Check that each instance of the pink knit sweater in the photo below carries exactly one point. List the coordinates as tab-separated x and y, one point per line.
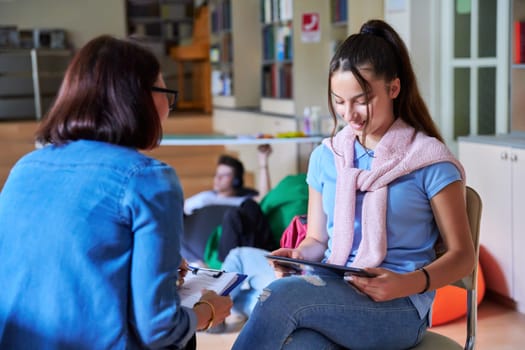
400	151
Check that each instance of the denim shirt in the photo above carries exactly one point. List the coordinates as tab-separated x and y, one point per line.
89	251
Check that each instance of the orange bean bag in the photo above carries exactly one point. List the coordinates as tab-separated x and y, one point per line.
451	301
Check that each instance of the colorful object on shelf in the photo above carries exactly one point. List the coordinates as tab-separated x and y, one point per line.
451	301
264	136
290	134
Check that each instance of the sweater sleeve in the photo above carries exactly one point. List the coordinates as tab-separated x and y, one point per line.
155	201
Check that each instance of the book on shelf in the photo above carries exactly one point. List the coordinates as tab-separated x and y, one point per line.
220	17
273	11
339	11
284	42
285	81
267	81
519	42
215	54
285	10
216	82
227	49
268	43
197	279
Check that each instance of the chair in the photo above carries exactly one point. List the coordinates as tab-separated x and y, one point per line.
433	340
197	54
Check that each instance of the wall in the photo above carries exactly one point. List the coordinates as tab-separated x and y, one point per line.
311	59
360	11
82	19
417	22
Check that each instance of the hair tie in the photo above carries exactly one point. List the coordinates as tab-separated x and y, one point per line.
369	30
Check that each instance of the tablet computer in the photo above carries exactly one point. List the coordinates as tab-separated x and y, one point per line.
300	265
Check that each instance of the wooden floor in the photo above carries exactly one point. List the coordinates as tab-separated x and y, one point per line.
499	328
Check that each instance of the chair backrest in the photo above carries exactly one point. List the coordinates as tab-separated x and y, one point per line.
436	341
470	282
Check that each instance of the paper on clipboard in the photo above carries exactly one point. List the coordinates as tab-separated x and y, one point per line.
197	279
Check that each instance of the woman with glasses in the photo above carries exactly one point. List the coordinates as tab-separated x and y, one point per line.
89	240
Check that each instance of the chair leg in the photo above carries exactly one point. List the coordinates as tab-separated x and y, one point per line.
472	317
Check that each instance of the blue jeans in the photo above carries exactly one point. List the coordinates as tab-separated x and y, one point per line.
250	261
322	311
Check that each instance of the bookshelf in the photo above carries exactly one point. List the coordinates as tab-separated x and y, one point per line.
163	23
277	56
294	69
339	21
339	12
235	47
517	67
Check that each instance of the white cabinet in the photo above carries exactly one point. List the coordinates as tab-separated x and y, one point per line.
496	169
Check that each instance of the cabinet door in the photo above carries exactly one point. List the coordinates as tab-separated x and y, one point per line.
518	204
488	171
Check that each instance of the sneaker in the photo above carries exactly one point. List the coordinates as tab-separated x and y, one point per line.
235	321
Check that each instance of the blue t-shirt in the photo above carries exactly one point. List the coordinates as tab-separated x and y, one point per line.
411	229
89	251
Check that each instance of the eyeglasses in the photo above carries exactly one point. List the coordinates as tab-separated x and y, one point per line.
171	95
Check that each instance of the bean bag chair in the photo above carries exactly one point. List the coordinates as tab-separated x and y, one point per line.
286	200
450	302
198	227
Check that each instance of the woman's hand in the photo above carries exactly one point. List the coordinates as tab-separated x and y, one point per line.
282	269
264	152
388	285
212	309
183	270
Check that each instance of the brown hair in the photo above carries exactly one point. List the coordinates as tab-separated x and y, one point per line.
378	45
237	167
106	96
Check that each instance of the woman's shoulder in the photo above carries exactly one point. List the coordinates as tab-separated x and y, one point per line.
96	155
435	177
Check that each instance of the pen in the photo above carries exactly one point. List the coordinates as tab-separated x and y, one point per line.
195	269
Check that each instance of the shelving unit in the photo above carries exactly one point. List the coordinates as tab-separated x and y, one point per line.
235	47
517	70
339	20
273	53
163	23
30	80
294	69
277	69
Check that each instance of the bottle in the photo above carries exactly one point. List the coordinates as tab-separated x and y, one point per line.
315	120
307	126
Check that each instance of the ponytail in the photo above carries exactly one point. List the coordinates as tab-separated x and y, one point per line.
377	44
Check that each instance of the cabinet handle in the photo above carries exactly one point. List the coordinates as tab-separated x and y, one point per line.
513	157
504	156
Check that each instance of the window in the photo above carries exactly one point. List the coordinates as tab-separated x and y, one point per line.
474	88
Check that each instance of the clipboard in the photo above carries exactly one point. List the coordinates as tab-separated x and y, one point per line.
300	266
198	278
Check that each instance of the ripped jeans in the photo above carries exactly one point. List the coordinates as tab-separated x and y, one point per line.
249	261
322	311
